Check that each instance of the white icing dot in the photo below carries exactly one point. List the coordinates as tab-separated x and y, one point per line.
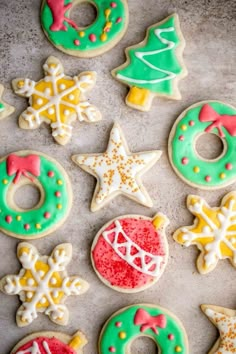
47	91
41	273
39	101
66	112
29	295
71	97
51	110
53	281
30	281
206	229
43	300
55	293
233	240
62	86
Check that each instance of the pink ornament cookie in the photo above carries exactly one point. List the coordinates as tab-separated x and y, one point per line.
130	253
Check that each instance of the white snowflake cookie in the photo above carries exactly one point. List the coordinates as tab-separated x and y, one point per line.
43	284
57	100
118	171
213	231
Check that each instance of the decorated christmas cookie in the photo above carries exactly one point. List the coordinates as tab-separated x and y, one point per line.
5	109
118	171
102	35
135	321
48	176
204	117
43	284
57	100
213	231
130	253
154	66
225	320
51	343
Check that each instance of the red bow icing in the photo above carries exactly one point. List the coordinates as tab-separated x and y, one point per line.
23	166
147	321
208	114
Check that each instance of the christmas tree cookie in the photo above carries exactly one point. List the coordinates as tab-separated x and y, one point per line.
154	66
5	109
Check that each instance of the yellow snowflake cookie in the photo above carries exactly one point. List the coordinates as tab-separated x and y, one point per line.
43	284
213	231
57	100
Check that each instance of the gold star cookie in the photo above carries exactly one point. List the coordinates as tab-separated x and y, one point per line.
225	320
5	109
213	231
43	284
57	100
118	171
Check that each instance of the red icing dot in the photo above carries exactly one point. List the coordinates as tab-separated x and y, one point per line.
47	215
184	160
119	20
191	123
57	194
8	219
27	226
181	137
92	37
76	42
50	174
208	178
112	349
229	166
113	4
171	337
118	324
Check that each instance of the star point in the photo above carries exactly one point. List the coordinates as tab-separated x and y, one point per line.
118	171
5	109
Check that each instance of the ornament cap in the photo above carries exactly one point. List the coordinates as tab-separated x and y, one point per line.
160	221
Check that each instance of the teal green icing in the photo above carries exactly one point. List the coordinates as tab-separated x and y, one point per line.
66	38
185	148
110	335
35	216
165	60
2	107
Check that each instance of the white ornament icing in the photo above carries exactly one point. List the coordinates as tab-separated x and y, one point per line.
118	170
39	288
152	267
141	56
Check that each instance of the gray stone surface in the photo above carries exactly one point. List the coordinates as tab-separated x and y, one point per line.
210	31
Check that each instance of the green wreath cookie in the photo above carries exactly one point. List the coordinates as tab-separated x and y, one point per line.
29	167
150	321
210	117
103	34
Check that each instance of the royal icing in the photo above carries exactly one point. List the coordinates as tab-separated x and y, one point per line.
213	231
118	171
5	109
154	66
209	117
225	321
130	253
51	343
143	320
57	100
107	30
43	284
54	186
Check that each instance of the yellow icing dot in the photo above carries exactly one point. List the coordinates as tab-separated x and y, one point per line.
122	335
178	349
59	181
108	24
4	181
103	37
196	169
20	83
107	12
222	175
59	206
82	33
184	127
38	226
18	218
